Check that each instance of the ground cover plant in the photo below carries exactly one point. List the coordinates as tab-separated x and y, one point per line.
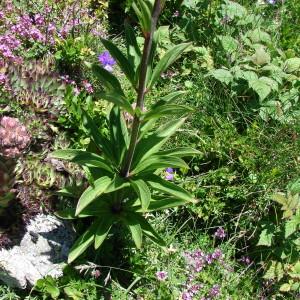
166	133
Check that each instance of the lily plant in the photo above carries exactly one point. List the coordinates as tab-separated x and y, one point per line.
125	166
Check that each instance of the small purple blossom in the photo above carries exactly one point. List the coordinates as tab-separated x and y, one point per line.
176	14
106	61
169	174
88	87
161	275
220	233
215	291
3	79
186	296
246	260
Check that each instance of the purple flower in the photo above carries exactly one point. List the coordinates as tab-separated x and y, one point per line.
169	174
161	275
176	14
88	87
220	233
106	61
246	260
186	296
215	291
217	254
3	79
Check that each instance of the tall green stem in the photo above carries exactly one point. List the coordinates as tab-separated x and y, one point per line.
142	88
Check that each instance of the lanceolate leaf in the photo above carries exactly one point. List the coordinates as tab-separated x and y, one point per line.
101	142
171	55
167	109
92	193
167	187
147	228
142	192
180	152
118	100
103	229
135	228
133	50
159	162
169	99
83	158
124	64
83	242
151	144
110	82
116	184
166	203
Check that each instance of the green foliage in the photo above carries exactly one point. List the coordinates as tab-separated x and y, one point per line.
283	236
117	194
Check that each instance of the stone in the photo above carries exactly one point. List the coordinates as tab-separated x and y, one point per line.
43	251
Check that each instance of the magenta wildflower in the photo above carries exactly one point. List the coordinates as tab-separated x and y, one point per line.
161	275
246	260
220	233
3	79
106	61
215	291
88	87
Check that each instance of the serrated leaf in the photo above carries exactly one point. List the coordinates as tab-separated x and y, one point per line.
142	191
229	44
266	236
222	75
170	56
292	65
260	87
291	225
261	57
92	193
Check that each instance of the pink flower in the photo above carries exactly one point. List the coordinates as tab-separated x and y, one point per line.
161	275
220	233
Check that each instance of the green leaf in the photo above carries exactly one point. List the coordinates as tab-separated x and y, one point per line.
285	287
165	110
167	187
257	36
170	56
152	143
261	57
142	191
116	184
121	59
222	75
169	99
103	229
159	162
101	142
73	293
82	158
117	99
265	238
275	270
118	133
271	82
291	225
260	87
143	10
180	152
83	242
161	204
110	82
135	228
147	228
292	65
133	50
92	193
229	44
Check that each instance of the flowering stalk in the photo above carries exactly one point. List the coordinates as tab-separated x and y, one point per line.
141	89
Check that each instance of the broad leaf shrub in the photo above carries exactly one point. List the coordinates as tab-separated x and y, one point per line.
123	171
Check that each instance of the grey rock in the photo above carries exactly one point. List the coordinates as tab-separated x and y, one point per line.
43	251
